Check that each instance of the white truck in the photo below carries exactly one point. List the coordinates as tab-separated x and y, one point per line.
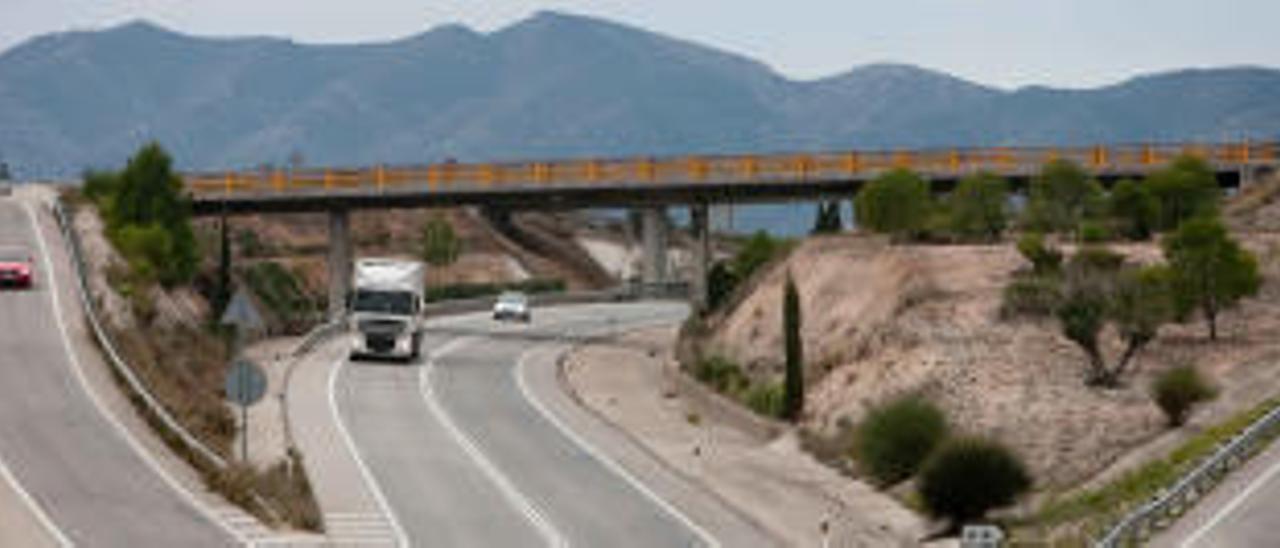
385	308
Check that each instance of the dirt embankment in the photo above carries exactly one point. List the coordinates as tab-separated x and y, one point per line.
883	320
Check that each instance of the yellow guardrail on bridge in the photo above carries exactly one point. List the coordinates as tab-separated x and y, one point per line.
745	169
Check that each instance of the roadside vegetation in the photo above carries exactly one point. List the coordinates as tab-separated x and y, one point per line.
166	285
1109	271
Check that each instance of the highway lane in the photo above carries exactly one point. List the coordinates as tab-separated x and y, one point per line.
464	458
74	462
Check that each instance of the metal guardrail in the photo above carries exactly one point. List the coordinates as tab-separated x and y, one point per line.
117	363
1139	524
745	168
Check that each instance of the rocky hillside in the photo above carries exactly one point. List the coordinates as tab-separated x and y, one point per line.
881	321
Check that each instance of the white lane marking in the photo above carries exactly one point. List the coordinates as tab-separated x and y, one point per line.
35	507
1231	506
121	430
514	496
401	538
519	374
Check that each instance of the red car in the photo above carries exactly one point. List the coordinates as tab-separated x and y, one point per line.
16	267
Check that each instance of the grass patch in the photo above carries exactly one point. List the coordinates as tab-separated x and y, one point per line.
283	295
1102	506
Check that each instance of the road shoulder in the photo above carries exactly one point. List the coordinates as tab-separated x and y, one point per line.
773	482
352	513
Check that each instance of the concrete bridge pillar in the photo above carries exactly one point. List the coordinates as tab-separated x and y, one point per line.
340	261
653	235
699	226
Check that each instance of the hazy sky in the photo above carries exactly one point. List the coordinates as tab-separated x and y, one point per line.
1066	43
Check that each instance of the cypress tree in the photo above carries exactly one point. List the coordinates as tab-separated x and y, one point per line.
793	397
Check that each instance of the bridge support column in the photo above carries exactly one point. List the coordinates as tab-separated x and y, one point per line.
653	235
340	266
1248	176
699	226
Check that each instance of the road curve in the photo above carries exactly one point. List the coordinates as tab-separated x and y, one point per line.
465	458
74	462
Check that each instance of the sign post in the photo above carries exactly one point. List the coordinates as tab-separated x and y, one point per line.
246	383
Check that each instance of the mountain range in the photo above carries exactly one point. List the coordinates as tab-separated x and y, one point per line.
553	85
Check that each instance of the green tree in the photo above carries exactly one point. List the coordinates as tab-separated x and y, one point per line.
1062	195
5	175
1134	209
1211	271
440	246
978	207
1099	290
1185	189
145	198
894	440
827	220
1044	259
793	395
896	203
968	477
721	281
1180	389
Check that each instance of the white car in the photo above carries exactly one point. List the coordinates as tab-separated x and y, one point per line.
512	305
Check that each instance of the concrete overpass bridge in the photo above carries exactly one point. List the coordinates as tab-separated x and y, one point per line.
653	184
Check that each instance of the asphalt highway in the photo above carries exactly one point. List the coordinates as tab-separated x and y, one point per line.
78	467
465	457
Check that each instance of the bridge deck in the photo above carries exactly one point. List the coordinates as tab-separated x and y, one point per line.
638	181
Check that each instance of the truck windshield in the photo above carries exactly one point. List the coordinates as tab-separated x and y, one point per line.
383	302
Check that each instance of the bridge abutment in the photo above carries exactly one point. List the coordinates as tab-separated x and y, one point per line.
339	261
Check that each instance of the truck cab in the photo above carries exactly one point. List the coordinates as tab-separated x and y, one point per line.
385	309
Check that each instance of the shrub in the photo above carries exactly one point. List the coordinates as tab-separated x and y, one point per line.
758	251
282	293
721	374
896	203
1178	390
1043	258
144	247
896	438
977	207
766	399
1031	295
1094	232
440	246
1184	190
966	478
1135	209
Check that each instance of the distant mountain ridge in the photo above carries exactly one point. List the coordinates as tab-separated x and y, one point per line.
553	85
